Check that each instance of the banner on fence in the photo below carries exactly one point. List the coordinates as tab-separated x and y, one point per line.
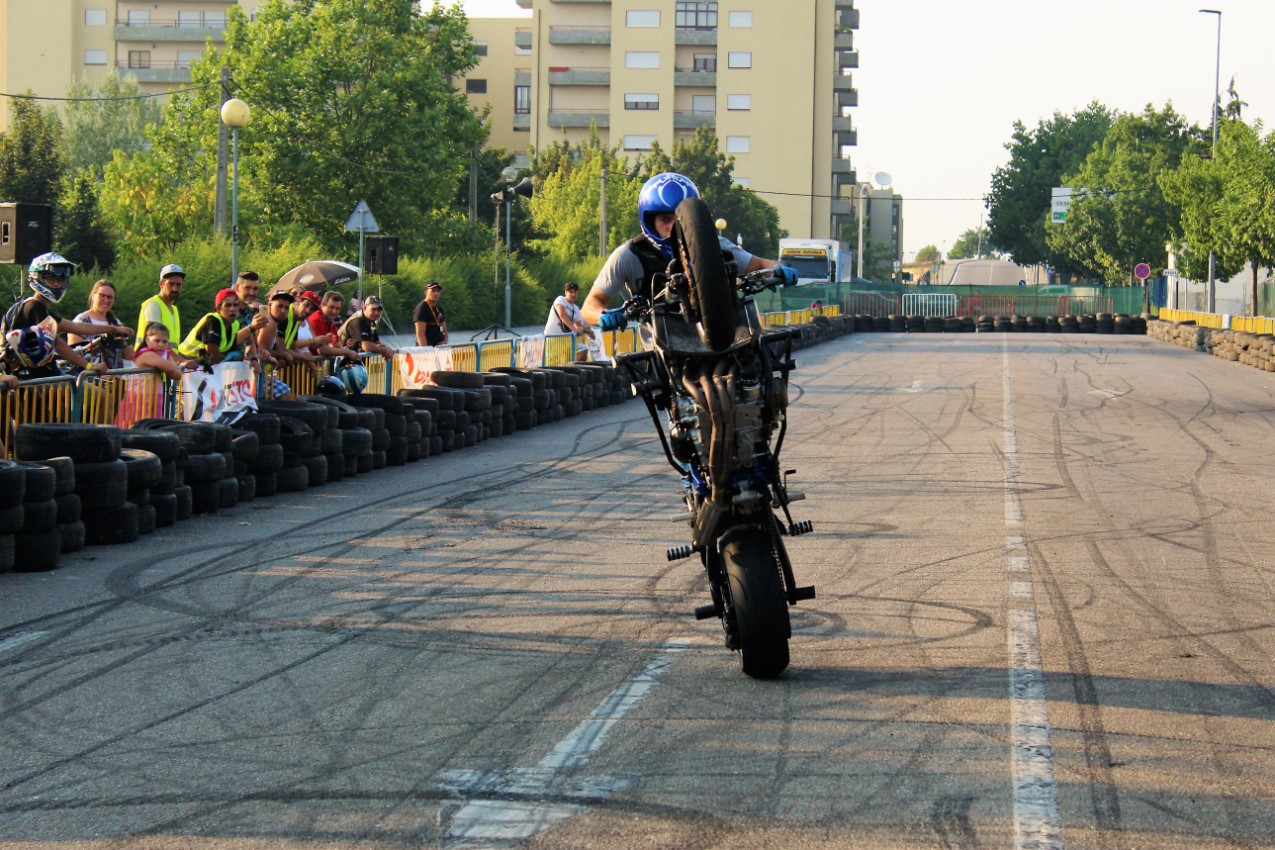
222	395
415	364
531	352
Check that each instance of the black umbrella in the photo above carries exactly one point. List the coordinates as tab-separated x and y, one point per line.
317	275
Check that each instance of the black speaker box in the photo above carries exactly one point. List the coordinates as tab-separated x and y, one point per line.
382	254
26	232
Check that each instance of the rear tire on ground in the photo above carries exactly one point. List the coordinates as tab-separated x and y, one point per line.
757	600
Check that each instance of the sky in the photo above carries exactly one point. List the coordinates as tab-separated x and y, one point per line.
942	82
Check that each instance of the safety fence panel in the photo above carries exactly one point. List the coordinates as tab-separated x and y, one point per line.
1085	305
464	357
494	353
871	304
42	400
620	342
985	305
929	305
1253	324
559	349
126	396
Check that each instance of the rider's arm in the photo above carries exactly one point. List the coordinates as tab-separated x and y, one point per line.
623	265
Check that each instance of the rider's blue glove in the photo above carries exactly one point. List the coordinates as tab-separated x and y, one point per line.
613	320
787	275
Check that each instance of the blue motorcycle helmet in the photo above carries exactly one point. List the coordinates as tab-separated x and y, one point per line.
661	194
354	377
48	274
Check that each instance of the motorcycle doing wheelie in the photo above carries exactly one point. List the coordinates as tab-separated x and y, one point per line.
716	387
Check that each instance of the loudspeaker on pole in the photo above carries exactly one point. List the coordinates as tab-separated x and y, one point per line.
382	254
26	232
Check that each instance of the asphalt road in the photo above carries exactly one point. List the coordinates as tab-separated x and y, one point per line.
1044	620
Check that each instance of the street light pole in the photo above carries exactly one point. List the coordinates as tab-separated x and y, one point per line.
865	189
1211	295
234	114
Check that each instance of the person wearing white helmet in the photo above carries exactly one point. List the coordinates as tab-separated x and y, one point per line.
635	262
29	331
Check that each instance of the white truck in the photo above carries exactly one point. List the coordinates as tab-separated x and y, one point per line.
817	260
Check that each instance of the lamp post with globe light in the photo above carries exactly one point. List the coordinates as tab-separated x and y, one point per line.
235	115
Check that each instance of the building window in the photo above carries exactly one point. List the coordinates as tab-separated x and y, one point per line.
741	20
480	48
737	144
704	104
186	58
641	59
475	86
139	59
522	100
742	182
139	17
521	51
94	17
95	57
638	143
189	19
696	15
215	20
739	102
739	60
641	101
705	62
641	18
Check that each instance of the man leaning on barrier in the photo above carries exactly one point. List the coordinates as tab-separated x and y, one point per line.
29	332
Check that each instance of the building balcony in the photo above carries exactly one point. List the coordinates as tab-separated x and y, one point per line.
841	182
524	4
168	31
847	18
522	76
842	165
522	120
845	138
578	118
686	120
577	35
157	72
842	124
564	76
695	37
522	39
843	41
845	97
840	206
845	83
847	59
695	79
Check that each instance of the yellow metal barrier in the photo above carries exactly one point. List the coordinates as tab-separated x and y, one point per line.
464	357
126	396
494	353
559	349
376	373
43	400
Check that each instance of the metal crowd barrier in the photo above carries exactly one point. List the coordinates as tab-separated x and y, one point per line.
1221	321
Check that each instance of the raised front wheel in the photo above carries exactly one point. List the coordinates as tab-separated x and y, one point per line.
701	254
757	601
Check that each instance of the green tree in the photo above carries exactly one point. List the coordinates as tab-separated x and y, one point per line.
148	207
1018	205
30	155
80	235
929	254
973	243
350	100
567	203
1228	203
96	122
1119	215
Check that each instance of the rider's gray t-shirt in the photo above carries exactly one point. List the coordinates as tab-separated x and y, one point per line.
623	267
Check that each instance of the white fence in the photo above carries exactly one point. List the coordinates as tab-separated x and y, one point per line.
925	304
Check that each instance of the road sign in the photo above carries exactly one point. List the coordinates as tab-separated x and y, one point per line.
362	220
1142	271
1059	201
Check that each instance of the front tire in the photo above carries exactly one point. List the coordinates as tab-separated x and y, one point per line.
701	254
757	601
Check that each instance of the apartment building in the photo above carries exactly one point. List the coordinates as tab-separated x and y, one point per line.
46	45
772	80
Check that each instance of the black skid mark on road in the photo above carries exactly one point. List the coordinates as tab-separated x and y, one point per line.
950	820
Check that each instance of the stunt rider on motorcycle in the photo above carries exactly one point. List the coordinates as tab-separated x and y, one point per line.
644	256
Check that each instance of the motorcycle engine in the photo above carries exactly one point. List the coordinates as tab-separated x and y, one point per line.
750	426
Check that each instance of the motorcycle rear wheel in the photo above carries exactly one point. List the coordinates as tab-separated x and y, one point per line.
757	599
701	256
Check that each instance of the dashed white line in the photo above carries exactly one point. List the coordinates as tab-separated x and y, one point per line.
1037	822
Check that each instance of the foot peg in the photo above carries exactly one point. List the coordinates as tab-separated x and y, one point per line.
706	612
800	593
804	526
677	553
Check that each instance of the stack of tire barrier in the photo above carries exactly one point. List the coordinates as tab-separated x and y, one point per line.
264	464
1256	350
310	434
350	437
205	463
168	499
37	541
1184	334
395	427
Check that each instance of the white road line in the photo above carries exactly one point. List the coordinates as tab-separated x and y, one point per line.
498	823
19	639
1037	823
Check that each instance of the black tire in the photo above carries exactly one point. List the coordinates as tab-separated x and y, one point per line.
165	505
266	425
396	454
146	519
295	436
365	462
756	601
69	508
36	553
39	517
269	459
700	252
267	484
205	497
316	469
163	444
245	445
111	525
336	467
13	483
435	445
380	439
41	481
185	501
227	492
81	443
458	380
64	468
143	468
333	441
346	415
11	519
101	485
379	461
247	487
204	468
356	441
293	479
72	536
